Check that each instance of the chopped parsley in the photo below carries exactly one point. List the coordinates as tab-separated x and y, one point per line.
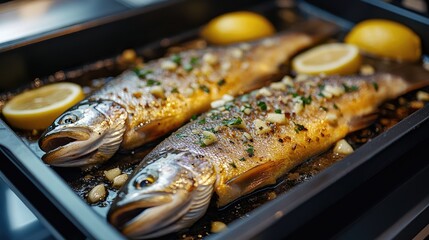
181	135
194	117
221	82
142	73
194	61
188	67
152	82
202	121
299	128
375	85
176	58
306	100
232	122
228	106
205	88
250	150
336	107
278	111
262	105
174	90
232	164
242	159
351	88
323	108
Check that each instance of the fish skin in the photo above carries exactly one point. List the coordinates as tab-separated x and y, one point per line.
164	99
338	106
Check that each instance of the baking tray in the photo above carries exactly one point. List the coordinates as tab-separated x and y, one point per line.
68	216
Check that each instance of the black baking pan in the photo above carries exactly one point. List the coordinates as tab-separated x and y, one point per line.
303	211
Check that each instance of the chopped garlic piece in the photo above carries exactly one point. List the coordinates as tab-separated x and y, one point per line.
225	66
227	98
269	42
217	103
188	92
210	58
98	193
209	138
247	111
264	92
247	136
422	96
112	173
237	53
245	65
261	126
218	227
367	70
276	118
118	181
278	86
343	147
168	65
206	69
297	107
288	81
334	90
157	91
331	118
301	77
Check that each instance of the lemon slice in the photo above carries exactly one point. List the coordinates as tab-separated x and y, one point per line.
236	27
386	39
38	108
329	59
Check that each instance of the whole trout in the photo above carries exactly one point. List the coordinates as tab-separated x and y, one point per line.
243	145
141	106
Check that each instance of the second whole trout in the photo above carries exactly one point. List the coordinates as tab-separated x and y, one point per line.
246	144
138	107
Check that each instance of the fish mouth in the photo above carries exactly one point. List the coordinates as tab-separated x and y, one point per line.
71	147
153	215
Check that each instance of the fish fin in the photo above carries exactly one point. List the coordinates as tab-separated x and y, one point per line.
361	122
252	179
318	29
413	74
153	130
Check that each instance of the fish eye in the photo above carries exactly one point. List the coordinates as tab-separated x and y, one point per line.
68	119
144	181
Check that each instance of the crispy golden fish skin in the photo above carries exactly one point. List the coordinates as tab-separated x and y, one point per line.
246	143
165	93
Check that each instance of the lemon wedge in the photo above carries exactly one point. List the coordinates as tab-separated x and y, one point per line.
237	27
329	59
386	39
38	108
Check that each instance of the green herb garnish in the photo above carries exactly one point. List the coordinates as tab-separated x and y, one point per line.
232	164
221	82
299	127
262	105
351	88
194	61
194	117
174	90
176	58
152	82
324	108
336	107
142	73
232	122
205	88
242	159
375	85
188	67
306	100
181	135
202	121
251	151
278	111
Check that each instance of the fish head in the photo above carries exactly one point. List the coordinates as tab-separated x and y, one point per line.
164	196
87	134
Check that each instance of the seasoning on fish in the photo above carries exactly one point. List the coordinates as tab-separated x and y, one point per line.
173	185
142	105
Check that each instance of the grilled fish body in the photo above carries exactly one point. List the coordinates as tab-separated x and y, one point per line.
244	145
138	107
